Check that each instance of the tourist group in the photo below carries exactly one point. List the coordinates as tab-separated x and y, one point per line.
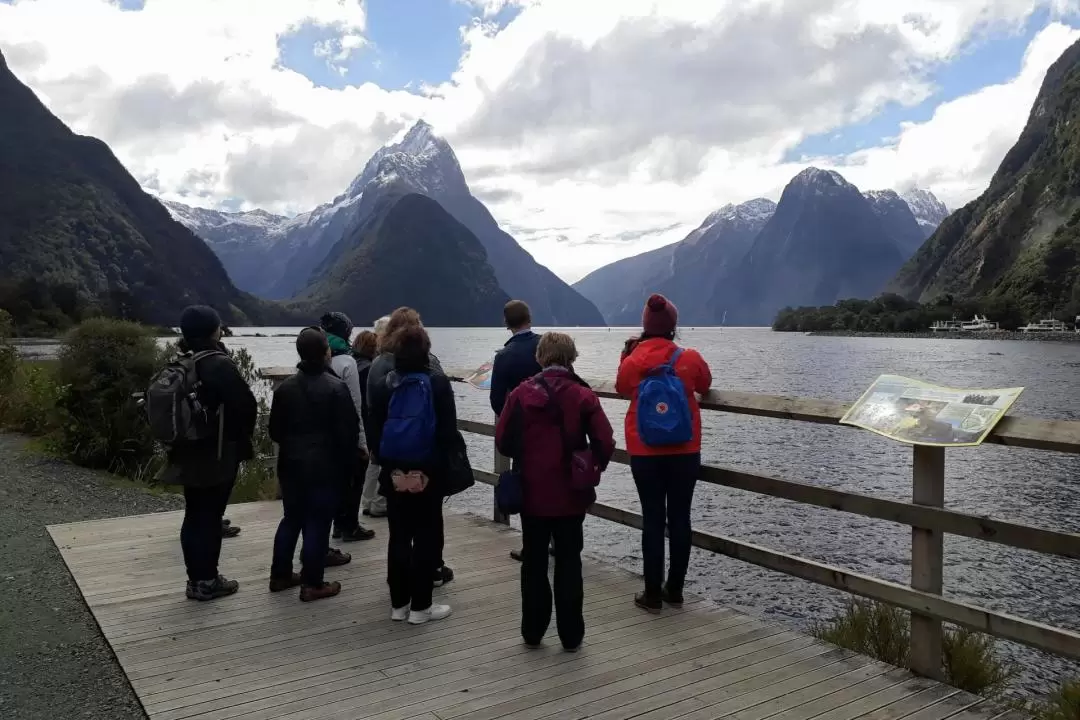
368	425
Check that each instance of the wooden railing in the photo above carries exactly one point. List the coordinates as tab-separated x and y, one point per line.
926	516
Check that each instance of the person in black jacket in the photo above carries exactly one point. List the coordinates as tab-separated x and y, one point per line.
415	517
314	422
207	469
515	362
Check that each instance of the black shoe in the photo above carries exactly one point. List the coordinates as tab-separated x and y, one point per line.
360	533
229	531
204	590
336	558
652	604
516	555
443	575
366	513
674	599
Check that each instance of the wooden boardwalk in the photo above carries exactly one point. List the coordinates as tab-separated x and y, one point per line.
257	656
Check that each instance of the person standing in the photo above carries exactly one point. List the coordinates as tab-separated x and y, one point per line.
545	420
374	504
414	426
663	438
515	362
315	424
207	467
338	328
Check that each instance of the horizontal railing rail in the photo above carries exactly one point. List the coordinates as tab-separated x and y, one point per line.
926	516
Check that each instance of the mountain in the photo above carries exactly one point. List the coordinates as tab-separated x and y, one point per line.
71	216
824	243
927	209
409	251
284	260
688	272
899	221
1020	240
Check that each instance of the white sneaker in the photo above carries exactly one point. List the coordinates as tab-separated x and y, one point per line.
435	612
400	614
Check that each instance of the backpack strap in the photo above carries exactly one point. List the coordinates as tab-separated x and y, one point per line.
674	359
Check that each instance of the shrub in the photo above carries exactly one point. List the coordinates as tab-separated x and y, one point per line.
102	363
884	633
1064	704
9	359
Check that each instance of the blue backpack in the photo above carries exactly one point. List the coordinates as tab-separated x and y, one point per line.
663	411
409	432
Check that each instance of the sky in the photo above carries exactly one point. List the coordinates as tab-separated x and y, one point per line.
607	128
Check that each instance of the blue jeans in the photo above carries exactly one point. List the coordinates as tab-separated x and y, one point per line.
665	485
309	510
200	533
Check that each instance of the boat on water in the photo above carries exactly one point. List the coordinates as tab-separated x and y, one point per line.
946	326
1046	325
977	324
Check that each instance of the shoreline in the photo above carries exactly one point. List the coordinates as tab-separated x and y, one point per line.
1070	337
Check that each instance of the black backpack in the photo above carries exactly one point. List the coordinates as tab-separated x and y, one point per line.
173	408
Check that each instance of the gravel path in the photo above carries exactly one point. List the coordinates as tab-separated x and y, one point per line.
54	662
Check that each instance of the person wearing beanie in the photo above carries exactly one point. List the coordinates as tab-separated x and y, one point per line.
663	439
314	422
207	468
338	328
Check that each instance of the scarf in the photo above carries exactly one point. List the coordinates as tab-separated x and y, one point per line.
338	345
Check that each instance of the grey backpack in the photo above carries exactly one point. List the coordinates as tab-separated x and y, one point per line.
173	408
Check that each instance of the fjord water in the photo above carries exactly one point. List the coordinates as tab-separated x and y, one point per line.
1039	488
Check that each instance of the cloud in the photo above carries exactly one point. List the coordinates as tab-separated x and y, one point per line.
608	127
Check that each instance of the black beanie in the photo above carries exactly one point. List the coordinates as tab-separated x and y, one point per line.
199	322
337	323
311	345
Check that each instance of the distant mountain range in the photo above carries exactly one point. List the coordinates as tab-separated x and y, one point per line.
823	242
282	258
1020	240
77	231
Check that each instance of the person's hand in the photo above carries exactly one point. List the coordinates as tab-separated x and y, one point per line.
629	345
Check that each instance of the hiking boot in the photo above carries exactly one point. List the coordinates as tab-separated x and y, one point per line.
400	614
310	593
360	533
443	575
515	555
204	590
279	584
652	604
435	612
335	557
229	531
672	598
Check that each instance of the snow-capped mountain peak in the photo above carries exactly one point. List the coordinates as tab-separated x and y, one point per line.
421	159
819	177
927	209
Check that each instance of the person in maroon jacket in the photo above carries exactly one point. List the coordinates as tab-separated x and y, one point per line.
545	420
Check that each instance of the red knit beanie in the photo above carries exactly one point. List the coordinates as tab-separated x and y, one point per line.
660	316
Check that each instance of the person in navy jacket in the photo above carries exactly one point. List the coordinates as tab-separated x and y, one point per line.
515	362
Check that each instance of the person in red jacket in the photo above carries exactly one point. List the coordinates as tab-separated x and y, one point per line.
545	420
665	475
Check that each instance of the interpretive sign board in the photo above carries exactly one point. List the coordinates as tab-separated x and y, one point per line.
481	377
919	413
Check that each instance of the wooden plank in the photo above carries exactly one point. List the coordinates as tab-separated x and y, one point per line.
876	691
907	688
927	561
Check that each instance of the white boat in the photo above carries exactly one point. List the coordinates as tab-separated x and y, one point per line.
946	326
978	324
1046	325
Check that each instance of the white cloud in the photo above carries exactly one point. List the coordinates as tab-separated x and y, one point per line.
605	127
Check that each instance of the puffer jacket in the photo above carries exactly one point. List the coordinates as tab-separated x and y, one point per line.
314	422
536	436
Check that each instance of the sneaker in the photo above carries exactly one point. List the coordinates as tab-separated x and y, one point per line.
435	612
651	604
309	593
280	584
204	590
360	533
335	557
443	575
400	614
674	599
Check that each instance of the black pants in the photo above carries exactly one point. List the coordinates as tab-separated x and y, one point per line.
415	523
566	533
347	517
309	511
665	485
200	533
440	537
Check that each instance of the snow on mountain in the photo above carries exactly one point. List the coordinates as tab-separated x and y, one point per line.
927	209
816	177
754	213
253	223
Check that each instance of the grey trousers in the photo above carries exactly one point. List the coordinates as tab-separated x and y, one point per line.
371	500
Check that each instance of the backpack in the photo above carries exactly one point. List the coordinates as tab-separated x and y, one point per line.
663	411
173	409
409	431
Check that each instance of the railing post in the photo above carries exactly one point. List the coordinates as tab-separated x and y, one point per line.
502	464
927	557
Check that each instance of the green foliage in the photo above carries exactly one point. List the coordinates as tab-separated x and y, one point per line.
893	314
1064	704
257	479
9	358
102	364
884	632
29	401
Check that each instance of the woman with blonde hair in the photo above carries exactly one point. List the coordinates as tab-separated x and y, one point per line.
560	439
